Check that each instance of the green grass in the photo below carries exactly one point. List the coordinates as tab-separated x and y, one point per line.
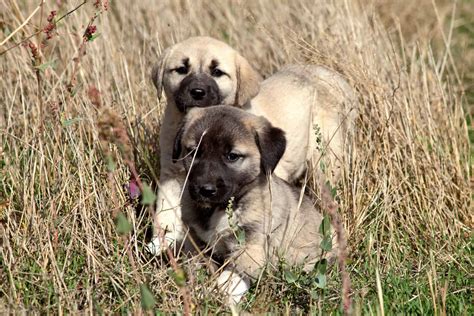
414	289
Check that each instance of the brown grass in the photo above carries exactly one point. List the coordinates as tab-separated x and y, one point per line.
404	198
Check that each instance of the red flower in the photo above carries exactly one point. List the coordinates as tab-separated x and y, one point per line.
51	16
90	30
49	28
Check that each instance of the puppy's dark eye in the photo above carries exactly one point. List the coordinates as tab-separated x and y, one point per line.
233	157
181	70
217	72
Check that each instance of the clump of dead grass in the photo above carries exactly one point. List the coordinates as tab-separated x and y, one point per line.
405	195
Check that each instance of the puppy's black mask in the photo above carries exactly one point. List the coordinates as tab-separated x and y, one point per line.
197	90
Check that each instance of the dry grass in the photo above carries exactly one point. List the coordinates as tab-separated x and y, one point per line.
405	200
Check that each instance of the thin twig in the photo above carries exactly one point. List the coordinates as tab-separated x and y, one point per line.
23	24
70	12
39	31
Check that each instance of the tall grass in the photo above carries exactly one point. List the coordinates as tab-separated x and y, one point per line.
405	198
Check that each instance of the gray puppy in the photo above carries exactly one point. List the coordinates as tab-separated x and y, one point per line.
229	156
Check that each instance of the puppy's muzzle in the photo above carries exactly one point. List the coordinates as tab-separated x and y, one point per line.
209	192
199	90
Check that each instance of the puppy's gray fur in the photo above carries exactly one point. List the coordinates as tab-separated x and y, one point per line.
268	209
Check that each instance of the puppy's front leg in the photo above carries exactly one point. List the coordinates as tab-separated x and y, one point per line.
247	264
233	285
167	217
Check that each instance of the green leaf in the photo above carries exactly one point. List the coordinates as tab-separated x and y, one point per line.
333	192
111	165
325	227
69	122
49	64
240	236
201	275
326	243
225	36
322	166
93	37
290	277
147	298
320	281
123	225
148	197
332	189
178	276
321	266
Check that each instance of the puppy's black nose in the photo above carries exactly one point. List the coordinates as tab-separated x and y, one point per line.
208	190
197	93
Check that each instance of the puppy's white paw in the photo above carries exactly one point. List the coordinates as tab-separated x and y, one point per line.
233	285
156	247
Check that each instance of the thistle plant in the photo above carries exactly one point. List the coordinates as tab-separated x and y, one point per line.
238	232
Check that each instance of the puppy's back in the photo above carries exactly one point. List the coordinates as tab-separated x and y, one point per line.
305	100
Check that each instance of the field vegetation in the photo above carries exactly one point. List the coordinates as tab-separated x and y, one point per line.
79	119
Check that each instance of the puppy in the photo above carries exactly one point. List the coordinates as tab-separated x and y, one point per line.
197	72
229	156
315	107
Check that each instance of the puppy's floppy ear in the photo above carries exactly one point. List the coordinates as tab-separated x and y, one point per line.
158	71
177	142
271	143
248	81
